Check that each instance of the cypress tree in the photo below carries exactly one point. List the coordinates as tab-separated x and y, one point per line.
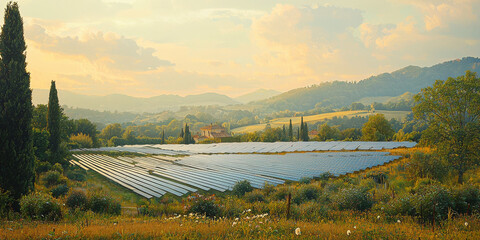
301	134
284	133
16	146
290	131
163	136
182	134
53	125
305	132
298	134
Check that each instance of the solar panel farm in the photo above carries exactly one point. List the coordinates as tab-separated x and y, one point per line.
220	166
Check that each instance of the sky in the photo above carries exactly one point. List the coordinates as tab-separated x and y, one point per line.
145	48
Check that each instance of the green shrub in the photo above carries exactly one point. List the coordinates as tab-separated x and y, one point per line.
378	177
305	180
100	203
426	165
255	196
354	198
325	176
305	193
5	203
242	187
52	178
402	205
57	167
281	193
466	199
312	211
42	167
76	199
203	205
60	191
433	195
40	206
268	189
77	174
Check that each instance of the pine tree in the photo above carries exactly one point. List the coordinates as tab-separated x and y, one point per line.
53	125
298	134
163	136
284	133
16	147
290	131
305	132
182	134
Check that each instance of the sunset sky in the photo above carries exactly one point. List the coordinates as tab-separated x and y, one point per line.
151	47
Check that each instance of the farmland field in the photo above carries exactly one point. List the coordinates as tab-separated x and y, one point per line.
279	122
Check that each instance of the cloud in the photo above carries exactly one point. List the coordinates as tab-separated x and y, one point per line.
105	49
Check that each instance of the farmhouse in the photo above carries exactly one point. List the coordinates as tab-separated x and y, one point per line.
212	132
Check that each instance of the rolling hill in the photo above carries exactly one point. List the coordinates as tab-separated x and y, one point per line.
124	103
338	94
257	95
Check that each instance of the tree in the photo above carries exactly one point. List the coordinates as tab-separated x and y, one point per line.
86	127
53	125
16	146
301	133
452	110
305	132
112	130
290	131
377	128
163	136
328	133
40	117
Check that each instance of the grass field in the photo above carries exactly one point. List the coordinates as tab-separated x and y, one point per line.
279	122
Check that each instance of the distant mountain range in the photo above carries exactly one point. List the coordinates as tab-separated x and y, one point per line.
257	95
124	103
338	93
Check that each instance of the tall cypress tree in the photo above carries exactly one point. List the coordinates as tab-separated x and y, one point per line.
53	125
290	131
305	132
284	133
301	134
163	136
16	146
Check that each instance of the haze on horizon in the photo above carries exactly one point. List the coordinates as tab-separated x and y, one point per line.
145	47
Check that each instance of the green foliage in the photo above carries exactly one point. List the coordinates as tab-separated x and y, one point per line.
467	199
255	196
40	206
433	196
77	174
60	191
86	127
377	129
326	132
57	167
40	144
203	205
305	193
76	199
305	180
42	167
52	178
82	140
401	205
354	198
102	203
54	125
424	165
242	187
5	203
452	110
16	146
112	130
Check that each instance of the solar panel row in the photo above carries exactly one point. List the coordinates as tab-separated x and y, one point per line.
154	176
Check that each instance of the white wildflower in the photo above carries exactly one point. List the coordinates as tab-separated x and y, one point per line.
234	223
398	221
298	232
348	232
378	217
466	224
354	227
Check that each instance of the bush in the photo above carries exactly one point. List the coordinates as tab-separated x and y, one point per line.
242	187
76	199
305	180
99	203
281	193
5	203
466	199
255	196
312	211
57	167
52	178
430	195
425	165
60	191
40	206
402	205
77	174
325	176
268	189
42	167
305	193
354	198
378	177
203	205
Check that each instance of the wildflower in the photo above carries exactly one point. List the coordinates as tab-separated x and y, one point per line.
348	232
398	221
466	224
298	232
378	217
249	210
260	222
382	208
236	219
354	227
114	224
234	223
